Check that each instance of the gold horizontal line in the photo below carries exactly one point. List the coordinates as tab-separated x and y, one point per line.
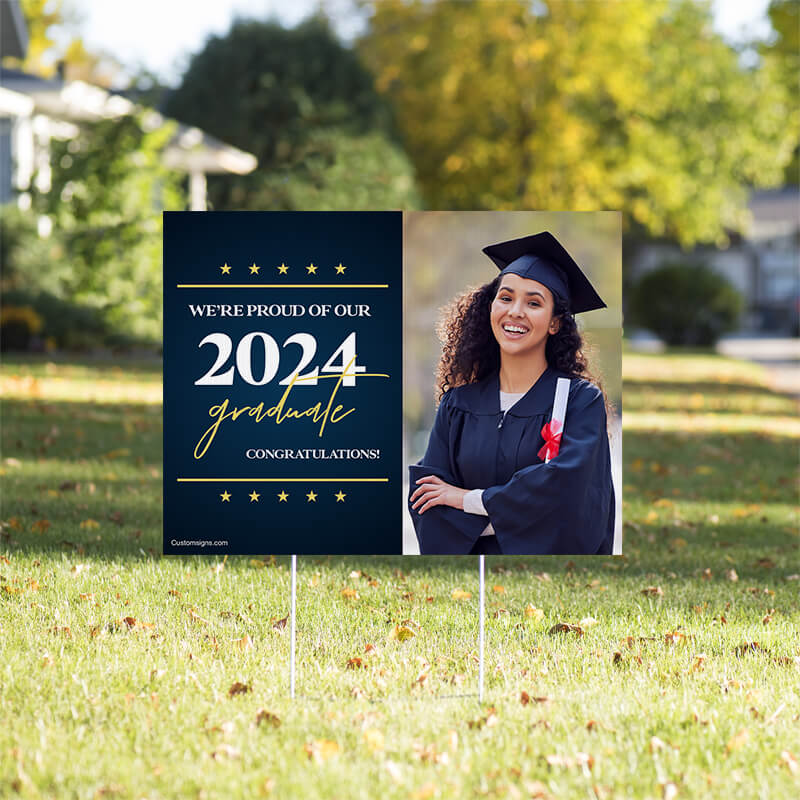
283	286
282	480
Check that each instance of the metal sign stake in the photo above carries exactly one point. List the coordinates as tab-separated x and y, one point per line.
292	645
480	629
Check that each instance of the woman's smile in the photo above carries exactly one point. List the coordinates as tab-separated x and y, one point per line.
514	331
522	315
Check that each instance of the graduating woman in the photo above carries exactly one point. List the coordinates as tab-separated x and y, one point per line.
500	475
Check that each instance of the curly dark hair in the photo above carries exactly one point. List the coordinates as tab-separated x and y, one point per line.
470	352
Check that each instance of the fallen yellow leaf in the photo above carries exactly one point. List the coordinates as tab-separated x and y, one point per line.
401	633
425	792
533	612
738	740
374	739
320	750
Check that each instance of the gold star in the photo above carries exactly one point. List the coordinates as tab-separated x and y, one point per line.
225	269
254	495
283	269
254	269
226	496
282	497
312	270
312	496
340	269
340	496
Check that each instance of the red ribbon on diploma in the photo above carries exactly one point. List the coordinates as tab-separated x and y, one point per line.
551	433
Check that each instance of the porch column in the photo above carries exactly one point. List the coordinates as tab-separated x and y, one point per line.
197	190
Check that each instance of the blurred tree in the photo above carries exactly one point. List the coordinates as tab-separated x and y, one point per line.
47	53
304	105
637	106
109	187
783	55
41	16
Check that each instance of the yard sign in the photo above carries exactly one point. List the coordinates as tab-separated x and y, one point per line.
282	382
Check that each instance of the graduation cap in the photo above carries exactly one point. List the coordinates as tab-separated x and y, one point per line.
542	258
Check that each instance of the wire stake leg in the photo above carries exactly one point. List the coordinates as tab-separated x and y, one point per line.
481	636
293	627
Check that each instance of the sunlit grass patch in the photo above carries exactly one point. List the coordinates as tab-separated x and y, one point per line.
706	398
690	368
696	423
101	380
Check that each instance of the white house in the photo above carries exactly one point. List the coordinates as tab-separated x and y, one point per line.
34	111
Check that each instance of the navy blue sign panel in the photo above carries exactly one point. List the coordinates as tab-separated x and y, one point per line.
282	382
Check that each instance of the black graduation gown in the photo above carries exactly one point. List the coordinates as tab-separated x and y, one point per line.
565	506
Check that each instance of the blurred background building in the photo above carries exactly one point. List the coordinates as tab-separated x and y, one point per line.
761	262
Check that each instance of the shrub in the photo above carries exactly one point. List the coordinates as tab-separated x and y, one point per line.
18	325
685	304
64	324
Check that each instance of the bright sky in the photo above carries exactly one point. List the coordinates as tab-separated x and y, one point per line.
161	34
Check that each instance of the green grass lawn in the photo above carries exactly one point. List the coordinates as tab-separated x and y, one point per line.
126	674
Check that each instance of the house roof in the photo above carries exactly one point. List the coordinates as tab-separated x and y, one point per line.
190	149
13	31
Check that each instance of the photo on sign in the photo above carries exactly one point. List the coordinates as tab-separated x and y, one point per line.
512	396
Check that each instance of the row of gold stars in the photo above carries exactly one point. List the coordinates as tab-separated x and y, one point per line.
283	496
283	269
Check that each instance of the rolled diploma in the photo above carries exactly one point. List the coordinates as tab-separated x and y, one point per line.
560	406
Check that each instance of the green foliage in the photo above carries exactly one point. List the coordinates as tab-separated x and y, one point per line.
31	263
344	172
22	251
637	106
686	304
109	188
782	55
304	105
